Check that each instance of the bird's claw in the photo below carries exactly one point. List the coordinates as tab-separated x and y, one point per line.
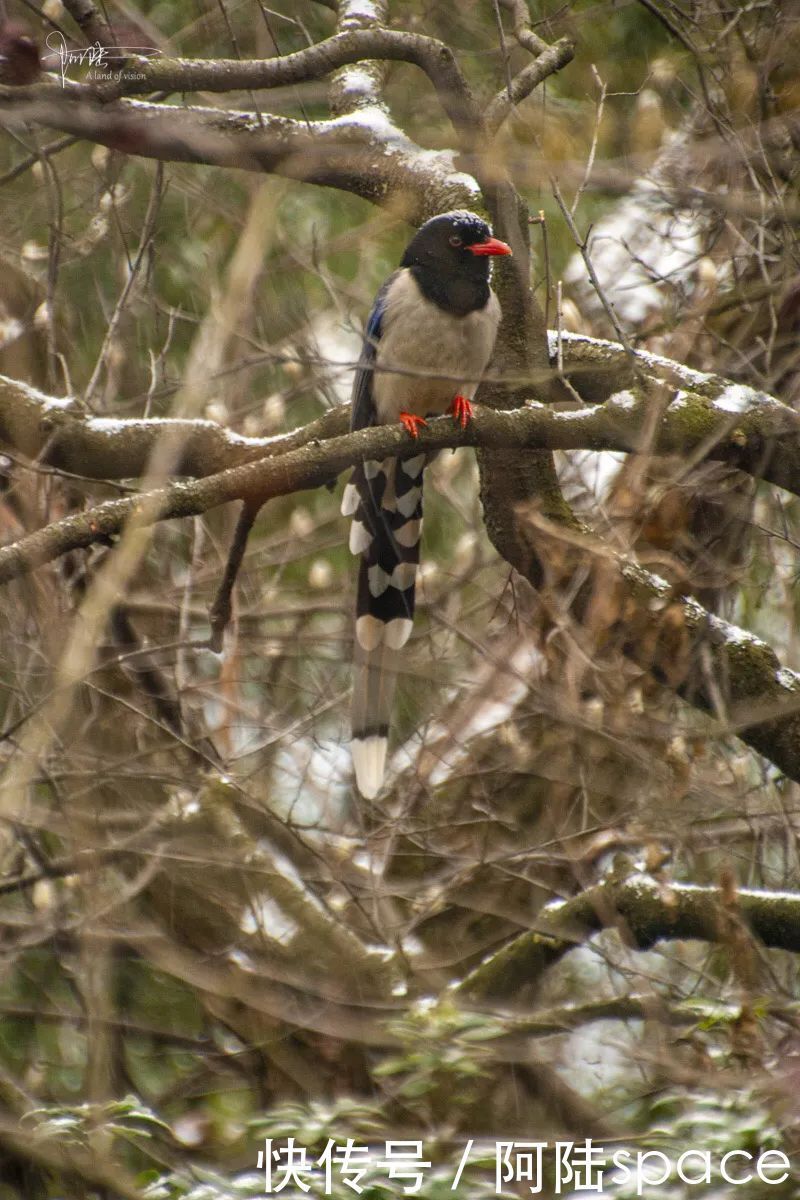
411	422
461	410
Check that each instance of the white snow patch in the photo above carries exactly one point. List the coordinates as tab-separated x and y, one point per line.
109	425
357	81
375	119
654	362
361	10
689	375
735	636
114	426
787	679
240	439
49	402
443	163
736	398
574	338
624	399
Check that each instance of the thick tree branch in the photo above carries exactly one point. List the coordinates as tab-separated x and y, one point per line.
56	433
91	23
646	911
662	632
658	629
433	57
708	416
522	26
362	152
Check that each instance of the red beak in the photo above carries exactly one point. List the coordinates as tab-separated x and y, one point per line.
492	245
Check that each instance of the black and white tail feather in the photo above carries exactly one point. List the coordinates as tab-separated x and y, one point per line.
428	340
385	502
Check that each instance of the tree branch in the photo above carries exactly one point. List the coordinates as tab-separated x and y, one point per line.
661	631
707	417
362	152
360	84
56	433
552	59
647	911
219	614
433	57
90	23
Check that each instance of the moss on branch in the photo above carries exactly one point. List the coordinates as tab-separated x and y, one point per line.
646	911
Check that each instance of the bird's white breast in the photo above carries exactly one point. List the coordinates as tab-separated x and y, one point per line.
427	356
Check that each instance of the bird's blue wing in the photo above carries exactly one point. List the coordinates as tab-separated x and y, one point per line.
363	412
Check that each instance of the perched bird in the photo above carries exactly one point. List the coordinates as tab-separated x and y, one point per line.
428	339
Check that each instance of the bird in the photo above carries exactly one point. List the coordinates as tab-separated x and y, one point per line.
428	340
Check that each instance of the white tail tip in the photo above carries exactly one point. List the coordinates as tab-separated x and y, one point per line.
369	763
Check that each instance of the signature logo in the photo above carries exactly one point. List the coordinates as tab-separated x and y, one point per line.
101	61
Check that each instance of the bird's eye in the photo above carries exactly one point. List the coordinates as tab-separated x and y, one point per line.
455	240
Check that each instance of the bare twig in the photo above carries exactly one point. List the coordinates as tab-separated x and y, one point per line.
581	243
541	220
148	228
45	152
503	49
587	174
221	609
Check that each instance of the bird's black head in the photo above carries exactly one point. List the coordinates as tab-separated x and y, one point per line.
449	258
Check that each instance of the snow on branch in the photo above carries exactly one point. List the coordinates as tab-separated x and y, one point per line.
764	697
646	911
359	150
316	62
362	152
728	422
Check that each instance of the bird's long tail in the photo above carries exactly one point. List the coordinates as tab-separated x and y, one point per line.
385	502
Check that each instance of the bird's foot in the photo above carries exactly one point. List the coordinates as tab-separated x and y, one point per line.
412	423
461	411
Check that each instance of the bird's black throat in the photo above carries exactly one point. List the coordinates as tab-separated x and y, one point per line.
456	293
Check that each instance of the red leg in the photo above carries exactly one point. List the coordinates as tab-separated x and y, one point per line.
461	410
412	423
